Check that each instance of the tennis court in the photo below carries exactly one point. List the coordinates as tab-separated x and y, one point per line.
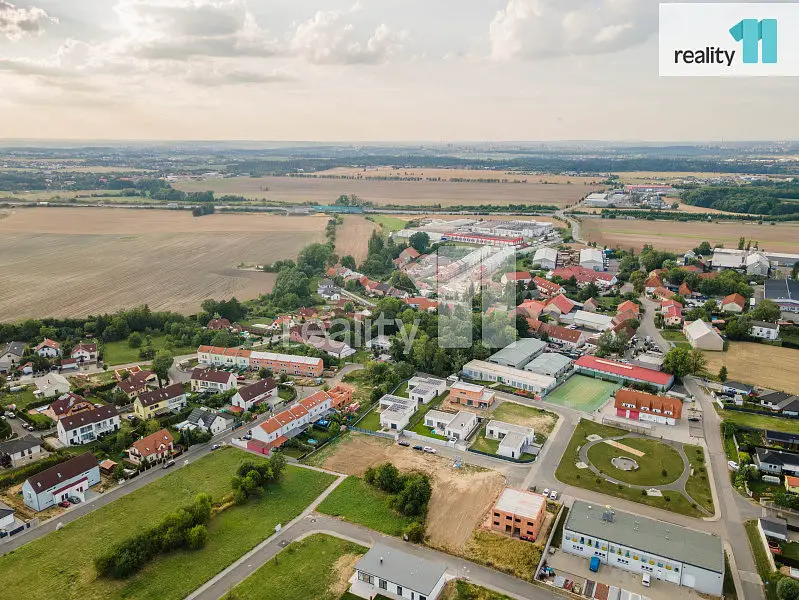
582	393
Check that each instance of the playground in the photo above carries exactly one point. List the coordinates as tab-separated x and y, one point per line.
582	393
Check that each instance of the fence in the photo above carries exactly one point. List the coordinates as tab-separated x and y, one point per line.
642	428
505	458
428	440
383	434
764	541
769	413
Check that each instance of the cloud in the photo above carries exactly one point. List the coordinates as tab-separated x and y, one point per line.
230	76
324	39
16	21
544	28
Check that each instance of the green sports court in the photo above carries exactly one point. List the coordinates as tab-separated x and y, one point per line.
582	393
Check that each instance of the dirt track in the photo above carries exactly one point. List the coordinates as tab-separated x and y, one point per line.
460	497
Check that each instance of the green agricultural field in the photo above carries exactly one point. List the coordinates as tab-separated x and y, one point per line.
582	393
388	224
60	564
356	501
317	567
658	458
120	353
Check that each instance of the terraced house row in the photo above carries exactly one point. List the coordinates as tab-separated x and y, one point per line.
306	366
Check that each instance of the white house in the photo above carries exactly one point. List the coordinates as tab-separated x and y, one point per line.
21	450
206	420
85	353
513	438
462	426
396	574
255	394
64	480
592	258
331	347
547	258
212	381
396	412
87	425
48	348
764	330
52	385
424	389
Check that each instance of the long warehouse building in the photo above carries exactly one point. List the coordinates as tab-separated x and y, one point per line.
515	378
612	370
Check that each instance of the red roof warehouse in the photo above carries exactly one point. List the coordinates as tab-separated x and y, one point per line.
616	371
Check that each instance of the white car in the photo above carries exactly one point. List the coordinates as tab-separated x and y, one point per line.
546	492
553	495
430	450
732	465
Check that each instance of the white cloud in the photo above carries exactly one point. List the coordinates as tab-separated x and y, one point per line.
324	39
16	21
542	28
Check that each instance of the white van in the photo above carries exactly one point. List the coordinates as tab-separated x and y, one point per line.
646	580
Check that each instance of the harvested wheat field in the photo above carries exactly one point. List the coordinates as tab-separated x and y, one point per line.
453	174
460	497
759	364
681	236
71	262
399	193
352	237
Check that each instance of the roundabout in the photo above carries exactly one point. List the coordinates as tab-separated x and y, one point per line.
637	462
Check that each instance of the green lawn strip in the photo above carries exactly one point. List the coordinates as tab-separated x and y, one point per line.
730	592
462	590
371	421
762	564
519	414
423	429
485	444
568	473
71	574
658	457
402	390
698	485
304	569
356	501
120	353
729	446
752	420
673	335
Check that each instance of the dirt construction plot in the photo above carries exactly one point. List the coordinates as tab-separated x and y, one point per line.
460	497
680	237
758	364
400	193
72	262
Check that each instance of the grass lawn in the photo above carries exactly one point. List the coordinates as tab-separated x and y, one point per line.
759	552
761	421
673	335
485	444
388	224
729	446
67	555
418	417
657	458
510	555
316	567
120	353
423	429
568	473
582	393
371	421
358	502
698	486
23	399
542	421
462	590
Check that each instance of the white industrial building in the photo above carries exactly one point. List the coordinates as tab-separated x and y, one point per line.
518	353
592	258
641	545
551	364
597	200
515	378
595	321
753	262
547	258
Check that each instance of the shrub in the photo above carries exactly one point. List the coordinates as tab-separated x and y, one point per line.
415	532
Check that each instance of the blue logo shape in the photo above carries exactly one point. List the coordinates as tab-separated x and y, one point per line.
754	34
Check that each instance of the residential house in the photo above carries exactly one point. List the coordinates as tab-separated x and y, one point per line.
171	398
406	256
470	394
519	514
629	306
52	385
22	450
382	342
11	356
331	347
48	348
663	293
516	277
672	313
7	519
547	288
154	448
558	306
685	291
567	338
67	405
218	324
88	425
638	406
792	484
531	309
85	353
396	412
702	336
776	462
461	426
590	305
254	394
785	404
547	258
212	381
782	439
136	383
422	303
654	282
774	528
764	330
584	276
514	439
206	420
734	303
302	366
71	478
735	388
392	573
425	389
592	258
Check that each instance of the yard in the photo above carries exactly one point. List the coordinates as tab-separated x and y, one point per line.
758	364
749	420
582	393
356	501
70	574
23	399
120	353
387	223
318	567
371	421
542	421
568	473
485	444
497	551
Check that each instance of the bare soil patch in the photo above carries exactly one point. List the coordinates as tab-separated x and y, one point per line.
352	237
344	567
71	262
461	497
682	236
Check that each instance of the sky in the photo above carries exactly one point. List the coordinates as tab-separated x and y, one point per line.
364	70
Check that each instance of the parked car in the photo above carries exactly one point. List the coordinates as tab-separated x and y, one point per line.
646	580
216	446
694	419
553	495
404	443
97	405
74	499
418	447
546	491
64	504
732	465
30	427
169	463
430	450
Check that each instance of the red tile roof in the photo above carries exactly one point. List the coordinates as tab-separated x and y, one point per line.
653	282
582	274
518	276
150	444
649	402
556	332
547	285
629	305
624	370
211	375
734	299
562	303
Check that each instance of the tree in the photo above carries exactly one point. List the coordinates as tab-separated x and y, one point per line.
420	241
349	307
677	362
795	271
741	243
161	364
788	589
349	262
135	340
697	362
264	372
723	374
703	249
766	310
412	500
415	532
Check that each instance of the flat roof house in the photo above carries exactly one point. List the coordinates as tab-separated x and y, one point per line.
470	394
514	439
518	353
642	545
64	480
519	514
461	426
397	412
396	574
425	389
515	378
